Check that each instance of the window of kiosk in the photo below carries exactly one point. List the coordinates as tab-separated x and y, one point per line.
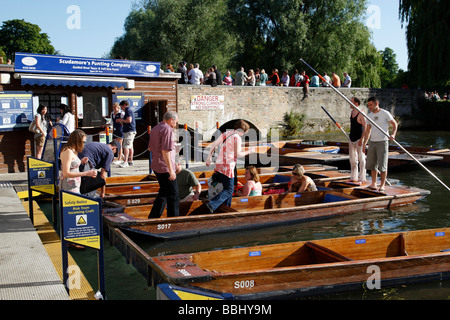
52	101
92	109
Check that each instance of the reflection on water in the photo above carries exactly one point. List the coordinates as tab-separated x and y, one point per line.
123	282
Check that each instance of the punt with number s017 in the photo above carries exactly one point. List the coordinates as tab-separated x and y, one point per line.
256	212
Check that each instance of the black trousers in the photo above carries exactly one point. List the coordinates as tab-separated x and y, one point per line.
167	195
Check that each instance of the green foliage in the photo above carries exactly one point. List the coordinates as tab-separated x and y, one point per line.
173	30
389	70
21	36
329	35
427	29
3	55
293	123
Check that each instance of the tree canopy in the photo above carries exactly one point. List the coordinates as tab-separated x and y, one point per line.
21	36
427	31
389	70
330	35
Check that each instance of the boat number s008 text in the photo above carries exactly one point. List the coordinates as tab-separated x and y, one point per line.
244	284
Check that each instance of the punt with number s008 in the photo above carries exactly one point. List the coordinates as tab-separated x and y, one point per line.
312	267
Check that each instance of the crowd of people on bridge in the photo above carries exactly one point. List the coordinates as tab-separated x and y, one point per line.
192	74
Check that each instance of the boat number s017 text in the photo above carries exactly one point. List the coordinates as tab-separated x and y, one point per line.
164	226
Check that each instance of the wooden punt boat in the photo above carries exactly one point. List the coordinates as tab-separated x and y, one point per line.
397	158
308	157
260	211
312	267
279	186
135	187
150	178
444	153
302	154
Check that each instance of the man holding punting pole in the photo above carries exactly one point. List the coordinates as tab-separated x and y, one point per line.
377	155
376	126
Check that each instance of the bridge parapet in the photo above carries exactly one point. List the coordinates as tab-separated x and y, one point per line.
264	107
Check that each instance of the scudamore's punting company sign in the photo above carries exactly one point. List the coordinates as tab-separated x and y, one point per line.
39	63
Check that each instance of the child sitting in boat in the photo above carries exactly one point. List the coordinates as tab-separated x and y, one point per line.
299	182
252	186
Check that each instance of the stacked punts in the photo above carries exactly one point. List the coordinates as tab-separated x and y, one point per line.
396	159
336	154
282	270
311	267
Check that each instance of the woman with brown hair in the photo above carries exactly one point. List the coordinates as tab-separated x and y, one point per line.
252	186
230	143
70	178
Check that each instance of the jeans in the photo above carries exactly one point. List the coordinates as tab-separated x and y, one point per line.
226	195
167	195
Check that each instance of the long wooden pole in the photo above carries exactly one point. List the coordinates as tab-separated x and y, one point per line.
376	126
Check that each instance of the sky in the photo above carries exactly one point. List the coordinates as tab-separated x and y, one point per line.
88	28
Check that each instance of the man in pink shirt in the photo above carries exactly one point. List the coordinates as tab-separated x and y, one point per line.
163	164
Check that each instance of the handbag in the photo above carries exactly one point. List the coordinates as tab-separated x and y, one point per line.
33	127
89	184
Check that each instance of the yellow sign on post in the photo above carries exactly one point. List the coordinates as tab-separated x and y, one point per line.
41	176
81	220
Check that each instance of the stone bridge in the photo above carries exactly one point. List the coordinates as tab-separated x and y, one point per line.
264	107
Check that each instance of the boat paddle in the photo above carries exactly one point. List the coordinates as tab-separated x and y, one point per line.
375	125
343	131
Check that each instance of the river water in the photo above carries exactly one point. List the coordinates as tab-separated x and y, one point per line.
123	282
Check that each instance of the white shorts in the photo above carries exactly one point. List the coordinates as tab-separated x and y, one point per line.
128	139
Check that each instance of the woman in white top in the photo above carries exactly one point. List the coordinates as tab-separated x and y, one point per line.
251	80
42	124
68	119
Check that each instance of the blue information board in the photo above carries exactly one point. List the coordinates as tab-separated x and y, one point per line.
41	175
136	101
39	63
81	216
81	223
16	110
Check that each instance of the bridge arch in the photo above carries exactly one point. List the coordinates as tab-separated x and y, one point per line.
254	133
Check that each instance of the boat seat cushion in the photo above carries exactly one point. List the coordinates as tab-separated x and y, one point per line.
333	198
281	179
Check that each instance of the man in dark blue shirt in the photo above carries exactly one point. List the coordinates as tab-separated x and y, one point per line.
129	132
100	156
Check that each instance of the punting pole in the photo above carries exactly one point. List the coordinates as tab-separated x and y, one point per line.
337	124
375	125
